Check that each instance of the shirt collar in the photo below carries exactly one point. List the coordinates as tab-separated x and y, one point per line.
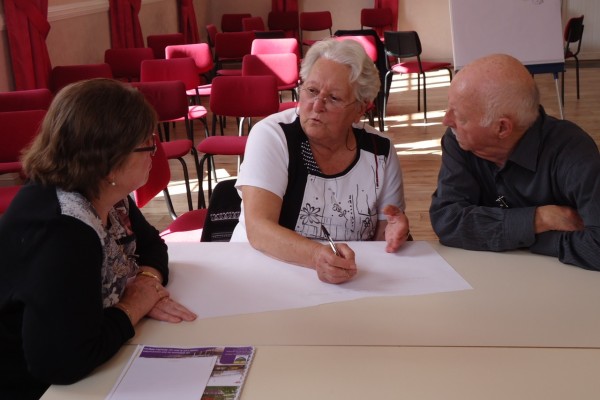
527	151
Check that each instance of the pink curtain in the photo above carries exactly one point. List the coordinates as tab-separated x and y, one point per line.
392	5
187	21
27	28
125	29
284	5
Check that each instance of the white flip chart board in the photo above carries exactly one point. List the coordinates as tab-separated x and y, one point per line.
529	30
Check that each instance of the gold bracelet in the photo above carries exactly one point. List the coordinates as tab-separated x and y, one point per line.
149	275
125	310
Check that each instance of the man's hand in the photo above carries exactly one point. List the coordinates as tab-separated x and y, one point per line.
557	218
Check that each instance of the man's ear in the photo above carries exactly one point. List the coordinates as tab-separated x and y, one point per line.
505	127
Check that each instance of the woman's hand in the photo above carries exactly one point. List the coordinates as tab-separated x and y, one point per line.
169	310
396	229
334	269
140	296
145	295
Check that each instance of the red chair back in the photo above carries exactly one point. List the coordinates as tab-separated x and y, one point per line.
574	30
244	96
20	100
211	34
174	69
17	131
158	43
380	19
199	52
158	178
166	97
62	75
253	24
233	22
233	45
286	21
275	46
368	43
125	63
283	66
315	21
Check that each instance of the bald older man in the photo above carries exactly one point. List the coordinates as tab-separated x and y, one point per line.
512	176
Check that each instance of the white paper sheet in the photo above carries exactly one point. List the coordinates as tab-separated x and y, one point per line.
219	279
163	377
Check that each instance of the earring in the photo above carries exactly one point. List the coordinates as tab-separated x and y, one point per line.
113	183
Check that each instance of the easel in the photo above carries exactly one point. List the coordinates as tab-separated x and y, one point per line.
552	68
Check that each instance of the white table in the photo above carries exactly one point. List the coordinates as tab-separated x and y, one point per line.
367	372
529	328
518	299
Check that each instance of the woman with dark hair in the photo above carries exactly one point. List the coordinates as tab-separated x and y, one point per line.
80	264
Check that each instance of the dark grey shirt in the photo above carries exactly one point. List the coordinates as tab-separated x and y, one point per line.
555	162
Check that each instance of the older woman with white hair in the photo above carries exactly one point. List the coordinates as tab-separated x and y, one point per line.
317	172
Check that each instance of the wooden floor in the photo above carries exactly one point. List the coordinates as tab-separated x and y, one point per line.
418	144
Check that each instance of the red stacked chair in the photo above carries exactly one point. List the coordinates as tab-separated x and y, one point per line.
230	48
314	21
242	97
233	22
125	63
62	75
187	226
18	101
158	43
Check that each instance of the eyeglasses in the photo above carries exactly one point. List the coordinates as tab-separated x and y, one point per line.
151	149
330	102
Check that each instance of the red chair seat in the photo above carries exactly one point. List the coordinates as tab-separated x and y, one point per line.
10	167
177	148
203	90
189	221
197	112
412	67
229	72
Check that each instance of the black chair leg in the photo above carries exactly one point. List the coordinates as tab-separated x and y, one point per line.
186	178
562	88
419	91
577	75
424	99
169	202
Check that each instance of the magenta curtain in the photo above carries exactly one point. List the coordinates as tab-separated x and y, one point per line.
27	29
392	5
187	21
125	29
284	5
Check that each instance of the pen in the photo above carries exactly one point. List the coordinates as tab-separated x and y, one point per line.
331	243
501	200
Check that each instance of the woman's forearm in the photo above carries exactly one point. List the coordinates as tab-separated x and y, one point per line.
282	243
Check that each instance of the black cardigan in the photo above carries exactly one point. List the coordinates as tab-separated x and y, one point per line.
53	327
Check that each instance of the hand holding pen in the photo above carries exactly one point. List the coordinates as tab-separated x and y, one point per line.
330	240
334	263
